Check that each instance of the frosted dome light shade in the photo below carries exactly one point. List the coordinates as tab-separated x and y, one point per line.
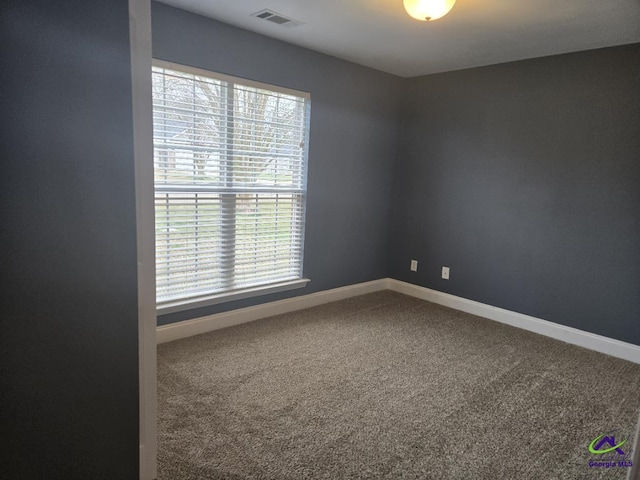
427	10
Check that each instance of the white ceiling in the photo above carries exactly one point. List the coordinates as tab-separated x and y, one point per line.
379	33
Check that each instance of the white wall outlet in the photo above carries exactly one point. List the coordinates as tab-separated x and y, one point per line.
445	273
414	265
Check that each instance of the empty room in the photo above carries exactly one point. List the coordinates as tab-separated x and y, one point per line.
321	240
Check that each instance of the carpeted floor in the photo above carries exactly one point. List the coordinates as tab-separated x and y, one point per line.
388	386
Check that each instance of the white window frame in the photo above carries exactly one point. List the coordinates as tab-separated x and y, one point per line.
262	289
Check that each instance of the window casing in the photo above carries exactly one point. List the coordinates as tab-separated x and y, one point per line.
230	164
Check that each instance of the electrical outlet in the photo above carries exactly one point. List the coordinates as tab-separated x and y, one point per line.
445	273
414	265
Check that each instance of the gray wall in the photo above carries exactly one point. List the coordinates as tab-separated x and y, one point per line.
521	177
68	341
524	178
351	150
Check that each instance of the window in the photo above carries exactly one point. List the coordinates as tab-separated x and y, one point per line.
230	185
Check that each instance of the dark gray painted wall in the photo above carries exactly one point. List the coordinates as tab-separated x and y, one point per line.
524	178
521	177
68	339
351	150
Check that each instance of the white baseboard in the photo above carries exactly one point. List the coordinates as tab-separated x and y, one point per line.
188	328
592	341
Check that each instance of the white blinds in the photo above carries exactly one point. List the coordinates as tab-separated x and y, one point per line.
230	179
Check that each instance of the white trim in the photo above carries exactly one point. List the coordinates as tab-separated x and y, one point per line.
188	328
229	78
230	295
141	100
592	341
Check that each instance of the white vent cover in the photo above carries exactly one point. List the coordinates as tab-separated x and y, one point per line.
276	18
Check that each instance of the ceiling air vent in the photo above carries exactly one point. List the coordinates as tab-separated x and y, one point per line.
276	18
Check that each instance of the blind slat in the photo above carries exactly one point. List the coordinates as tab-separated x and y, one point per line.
230	176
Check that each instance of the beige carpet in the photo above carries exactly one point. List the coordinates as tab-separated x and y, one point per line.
388	386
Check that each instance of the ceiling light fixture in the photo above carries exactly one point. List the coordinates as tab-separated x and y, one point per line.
427	10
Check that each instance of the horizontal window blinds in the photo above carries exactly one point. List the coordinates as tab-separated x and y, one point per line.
230	180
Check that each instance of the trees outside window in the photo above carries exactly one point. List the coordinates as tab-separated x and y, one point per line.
230	181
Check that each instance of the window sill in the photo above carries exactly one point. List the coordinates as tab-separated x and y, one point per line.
182	305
